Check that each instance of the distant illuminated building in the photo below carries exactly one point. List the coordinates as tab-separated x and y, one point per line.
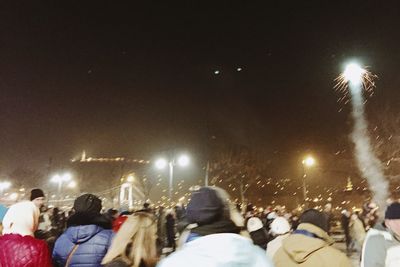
349	185
110	178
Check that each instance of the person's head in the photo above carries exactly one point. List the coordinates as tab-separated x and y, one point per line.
113	213
254	224
316	218
280	226
37	197
392	218
205	207
211	204
21	218
135	241
87	203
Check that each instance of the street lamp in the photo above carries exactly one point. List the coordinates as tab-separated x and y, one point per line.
59	179
182	161
307	163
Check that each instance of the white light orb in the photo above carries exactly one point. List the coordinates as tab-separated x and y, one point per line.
183	160
161	164
353	73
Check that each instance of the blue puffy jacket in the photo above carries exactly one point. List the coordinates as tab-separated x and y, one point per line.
93	242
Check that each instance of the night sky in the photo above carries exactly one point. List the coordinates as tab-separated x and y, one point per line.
119	79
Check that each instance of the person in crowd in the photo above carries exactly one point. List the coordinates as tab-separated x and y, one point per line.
161	227
329	216
310	245
257	232
382	243
88	236
18	247
170	226
118	222
295	221
214	238
135	243
44	219
357	232
345	222
112	214
37	197
280	229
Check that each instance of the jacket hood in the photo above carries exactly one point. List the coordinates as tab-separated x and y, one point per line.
222	250
299	247
82	233
22	218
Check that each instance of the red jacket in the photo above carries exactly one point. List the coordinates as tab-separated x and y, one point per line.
23	251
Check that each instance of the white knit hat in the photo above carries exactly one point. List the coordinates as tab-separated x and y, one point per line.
280	226
254	224
21	218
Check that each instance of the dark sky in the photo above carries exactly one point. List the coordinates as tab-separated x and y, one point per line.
135	79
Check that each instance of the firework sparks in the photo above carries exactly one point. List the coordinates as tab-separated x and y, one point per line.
353	83
367	82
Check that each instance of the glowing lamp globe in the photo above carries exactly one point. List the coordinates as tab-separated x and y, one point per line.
309	161
161	164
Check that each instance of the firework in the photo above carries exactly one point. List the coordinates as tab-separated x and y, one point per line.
354	74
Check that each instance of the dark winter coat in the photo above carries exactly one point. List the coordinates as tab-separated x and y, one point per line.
93	241
23	251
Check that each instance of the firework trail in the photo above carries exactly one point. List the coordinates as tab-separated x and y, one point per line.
353	82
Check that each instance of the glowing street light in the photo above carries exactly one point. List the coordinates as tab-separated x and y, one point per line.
182	160
307	163
60	179
161	164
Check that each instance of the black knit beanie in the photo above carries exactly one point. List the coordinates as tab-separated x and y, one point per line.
393	211
205	207
87	203
36	193
316	218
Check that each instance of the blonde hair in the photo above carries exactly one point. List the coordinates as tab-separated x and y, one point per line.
139	233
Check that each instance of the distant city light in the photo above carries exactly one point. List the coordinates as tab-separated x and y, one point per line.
216	72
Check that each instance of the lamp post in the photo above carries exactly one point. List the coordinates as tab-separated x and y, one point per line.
307	163
59	179
161	163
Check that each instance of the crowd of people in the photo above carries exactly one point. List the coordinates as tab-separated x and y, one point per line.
210	231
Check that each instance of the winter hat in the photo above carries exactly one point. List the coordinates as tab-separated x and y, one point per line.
280	226
205	207
36	193
22	218
87	203
272	215
316	218
393	211
254	224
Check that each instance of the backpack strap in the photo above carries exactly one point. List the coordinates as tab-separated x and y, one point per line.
70	255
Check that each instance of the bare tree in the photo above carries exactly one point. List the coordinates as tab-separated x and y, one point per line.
235	168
